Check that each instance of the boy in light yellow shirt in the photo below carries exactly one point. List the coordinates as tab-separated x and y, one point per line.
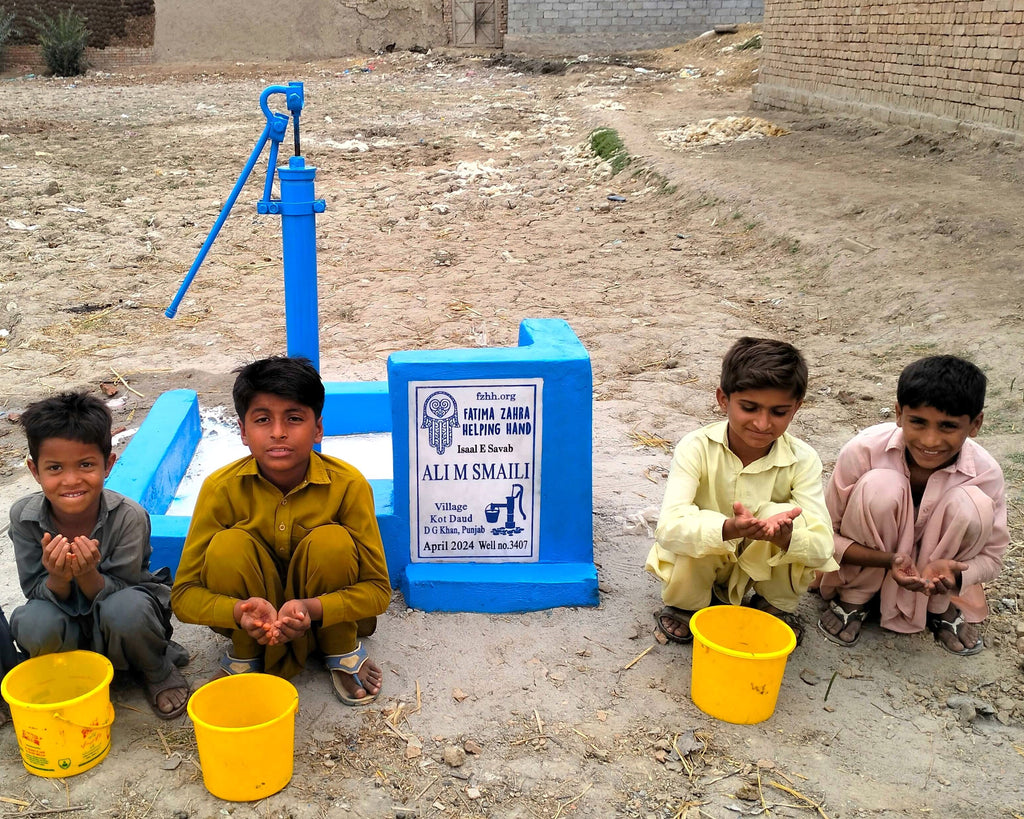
744	508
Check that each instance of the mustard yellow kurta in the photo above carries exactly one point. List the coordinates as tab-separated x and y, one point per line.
705	480
248	539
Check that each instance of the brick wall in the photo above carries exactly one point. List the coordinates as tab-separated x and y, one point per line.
23	59
949	65
616	25
110	22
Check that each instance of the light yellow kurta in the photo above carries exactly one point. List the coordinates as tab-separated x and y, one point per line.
705	480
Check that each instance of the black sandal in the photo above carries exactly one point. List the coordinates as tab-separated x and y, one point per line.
680	616
936	623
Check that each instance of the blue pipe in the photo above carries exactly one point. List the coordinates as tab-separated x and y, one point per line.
276	126
298	207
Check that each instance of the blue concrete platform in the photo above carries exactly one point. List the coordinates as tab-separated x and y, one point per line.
491	506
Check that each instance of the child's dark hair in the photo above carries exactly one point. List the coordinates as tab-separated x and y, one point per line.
289	377
764	363
947	383
74	416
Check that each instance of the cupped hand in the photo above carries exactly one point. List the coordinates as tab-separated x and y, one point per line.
944	575
779	528
904	572
258	618
744	524
293	620
85	555
58	557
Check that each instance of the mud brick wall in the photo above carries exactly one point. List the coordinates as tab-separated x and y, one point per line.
946	65
298	30
110	22
617	25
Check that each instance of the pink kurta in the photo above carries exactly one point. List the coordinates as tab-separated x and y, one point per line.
962	516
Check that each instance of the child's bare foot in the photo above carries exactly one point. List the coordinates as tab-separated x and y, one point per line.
954	633
355	678
842	622
675	624
366	683
169	697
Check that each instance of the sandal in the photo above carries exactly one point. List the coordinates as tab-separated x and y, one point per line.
936	623
232	665
790	618
174	680
680	616
858	615
349	664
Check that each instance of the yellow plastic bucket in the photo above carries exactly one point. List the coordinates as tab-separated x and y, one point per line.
60	705
245	732
739	657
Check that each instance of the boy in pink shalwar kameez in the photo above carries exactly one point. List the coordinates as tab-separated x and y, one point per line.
919	514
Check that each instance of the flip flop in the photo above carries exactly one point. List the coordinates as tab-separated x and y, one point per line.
172	681
858	615
349	664
936	623
680	616
233	665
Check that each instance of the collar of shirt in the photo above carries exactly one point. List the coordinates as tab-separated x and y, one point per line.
316	471
780	455
964	462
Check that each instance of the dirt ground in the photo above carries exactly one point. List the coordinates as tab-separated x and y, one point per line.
462	197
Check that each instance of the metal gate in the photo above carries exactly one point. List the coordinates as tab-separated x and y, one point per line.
475	22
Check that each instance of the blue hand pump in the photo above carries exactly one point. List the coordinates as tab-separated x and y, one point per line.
297	206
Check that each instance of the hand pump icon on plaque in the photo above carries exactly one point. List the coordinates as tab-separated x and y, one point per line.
493	511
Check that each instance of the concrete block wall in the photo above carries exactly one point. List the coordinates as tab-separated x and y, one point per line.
618	25
946	65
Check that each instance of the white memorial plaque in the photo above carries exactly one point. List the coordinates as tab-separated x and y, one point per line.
475	470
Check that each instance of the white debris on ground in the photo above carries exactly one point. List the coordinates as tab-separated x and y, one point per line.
719	131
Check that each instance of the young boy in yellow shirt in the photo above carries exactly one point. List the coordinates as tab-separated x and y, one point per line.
283	554
743	509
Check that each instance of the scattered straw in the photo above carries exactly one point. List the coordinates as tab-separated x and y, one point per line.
120	378
810	803
642	438
572	801
638	658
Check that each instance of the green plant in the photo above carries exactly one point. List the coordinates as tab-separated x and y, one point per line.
7	29
62	39
607	144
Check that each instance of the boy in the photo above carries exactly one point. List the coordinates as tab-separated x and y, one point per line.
743	506
283	554
919	514
82	553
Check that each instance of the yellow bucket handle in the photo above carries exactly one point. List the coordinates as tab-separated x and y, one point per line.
110	718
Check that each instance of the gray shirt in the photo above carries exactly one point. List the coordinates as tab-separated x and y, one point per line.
122	529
